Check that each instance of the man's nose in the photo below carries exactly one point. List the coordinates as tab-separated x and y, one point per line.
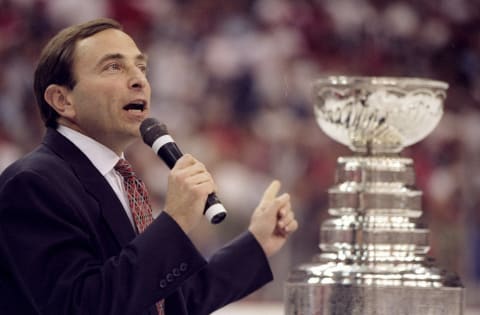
137	79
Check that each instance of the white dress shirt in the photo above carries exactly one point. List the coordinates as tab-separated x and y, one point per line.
103	159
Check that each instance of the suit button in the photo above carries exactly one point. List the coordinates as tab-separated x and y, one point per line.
176	272
169	277
183	266
163	284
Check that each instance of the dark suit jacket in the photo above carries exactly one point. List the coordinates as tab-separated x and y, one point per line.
67	247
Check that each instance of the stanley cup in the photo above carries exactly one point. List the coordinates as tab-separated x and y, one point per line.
373	254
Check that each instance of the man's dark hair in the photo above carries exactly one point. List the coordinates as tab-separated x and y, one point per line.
55	65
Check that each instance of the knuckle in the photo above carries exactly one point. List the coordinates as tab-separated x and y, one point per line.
198	191
187	159
176	176
277	203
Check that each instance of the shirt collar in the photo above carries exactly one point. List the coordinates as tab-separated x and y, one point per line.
101	157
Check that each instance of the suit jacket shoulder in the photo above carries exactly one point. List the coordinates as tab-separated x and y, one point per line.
70	244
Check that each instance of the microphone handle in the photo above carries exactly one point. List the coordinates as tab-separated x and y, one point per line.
169	153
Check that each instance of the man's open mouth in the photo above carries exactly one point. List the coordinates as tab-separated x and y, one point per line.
135	106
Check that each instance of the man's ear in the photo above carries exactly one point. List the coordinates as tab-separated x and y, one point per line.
58	97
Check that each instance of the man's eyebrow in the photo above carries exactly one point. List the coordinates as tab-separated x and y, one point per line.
117	56
142	57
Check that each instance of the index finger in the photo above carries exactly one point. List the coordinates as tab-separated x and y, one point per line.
185	161
271	191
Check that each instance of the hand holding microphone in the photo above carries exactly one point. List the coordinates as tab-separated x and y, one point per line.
156	135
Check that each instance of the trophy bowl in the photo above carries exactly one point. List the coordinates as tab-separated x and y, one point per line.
378	115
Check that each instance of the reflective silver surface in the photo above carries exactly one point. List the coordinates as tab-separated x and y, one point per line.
379	114
373	252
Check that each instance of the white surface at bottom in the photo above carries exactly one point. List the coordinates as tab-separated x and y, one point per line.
263	308
251	308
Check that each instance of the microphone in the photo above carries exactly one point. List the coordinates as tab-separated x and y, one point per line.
155	134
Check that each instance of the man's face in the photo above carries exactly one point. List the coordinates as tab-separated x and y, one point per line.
112	95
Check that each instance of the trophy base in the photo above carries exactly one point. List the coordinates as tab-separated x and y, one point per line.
339	299
373	252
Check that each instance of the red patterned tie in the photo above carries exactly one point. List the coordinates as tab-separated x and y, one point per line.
139	204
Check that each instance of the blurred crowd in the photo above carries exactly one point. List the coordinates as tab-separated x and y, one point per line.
232	80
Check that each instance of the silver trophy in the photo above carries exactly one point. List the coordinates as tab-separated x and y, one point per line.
373	257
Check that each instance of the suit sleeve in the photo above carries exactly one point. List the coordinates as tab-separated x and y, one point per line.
232	273
53	257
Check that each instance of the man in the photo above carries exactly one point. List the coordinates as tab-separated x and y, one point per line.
69	239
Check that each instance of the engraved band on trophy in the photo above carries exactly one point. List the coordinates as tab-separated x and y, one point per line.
373	252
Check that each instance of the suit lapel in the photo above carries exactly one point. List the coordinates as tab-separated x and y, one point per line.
95	184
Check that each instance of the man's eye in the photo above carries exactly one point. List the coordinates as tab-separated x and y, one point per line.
143	68
113	67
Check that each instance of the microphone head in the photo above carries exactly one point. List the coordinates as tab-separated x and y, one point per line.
151	129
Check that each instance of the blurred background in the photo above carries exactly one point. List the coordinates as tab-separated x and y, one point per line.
232	79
